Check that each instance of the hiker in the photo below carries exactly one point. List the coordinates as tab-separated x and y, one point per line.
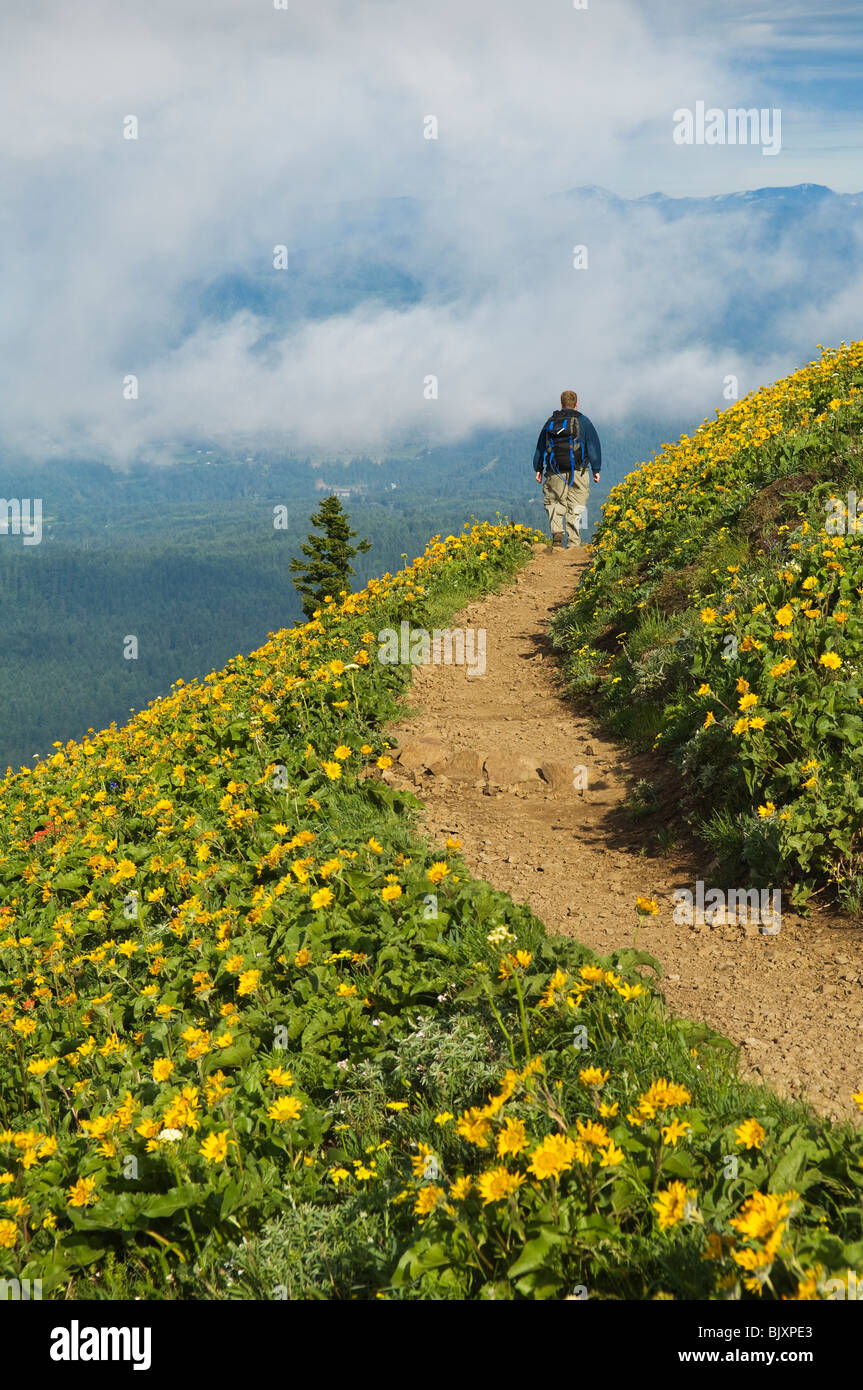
568	447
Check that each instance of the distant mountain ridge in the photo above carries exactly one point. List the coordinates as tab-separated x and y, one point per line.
347	252
799	195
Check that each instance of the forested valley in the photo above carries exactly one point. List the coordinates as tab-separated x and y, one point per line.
192	560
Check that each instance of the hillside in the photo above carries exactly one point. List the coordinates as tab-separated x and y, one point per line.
257	1033
568	821
720	623
143	552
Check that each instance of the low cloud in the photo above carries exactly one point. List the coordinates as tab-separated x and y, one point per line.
304	127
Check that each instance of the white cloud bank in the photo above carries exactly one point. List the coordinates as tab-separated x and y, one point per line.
254	123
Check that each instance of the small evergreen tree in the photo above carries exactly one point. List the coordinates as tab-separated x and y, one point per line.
327	566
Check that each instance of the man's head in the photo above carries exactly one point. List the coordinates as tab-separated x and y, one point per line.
569	400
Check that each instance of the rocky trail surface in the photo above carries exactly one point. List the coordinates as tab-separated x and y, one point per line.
498	759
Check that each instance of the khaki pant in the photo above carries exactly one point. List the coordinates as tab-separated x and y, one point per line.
565	501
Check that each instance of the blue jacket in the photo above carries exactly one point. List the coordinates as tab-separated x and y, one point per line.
553	453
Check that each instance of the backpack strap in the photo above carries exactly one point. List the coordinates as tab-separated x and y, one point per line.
574	433
548	457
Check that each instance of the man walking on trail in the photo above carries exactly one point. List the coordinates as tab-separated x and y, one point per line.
567	450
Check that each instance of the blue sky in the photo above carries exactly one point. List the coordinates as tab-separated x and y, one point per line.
257	125
807	59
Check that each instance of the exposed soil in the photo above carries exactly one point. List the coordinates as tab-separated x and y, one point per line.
760	519
494	757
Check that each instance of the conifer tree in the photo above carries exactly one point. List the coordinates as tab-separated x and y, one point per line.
326	568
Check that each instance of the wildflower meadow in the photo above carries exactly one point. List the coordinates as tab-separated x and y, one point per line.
720	622
259	1041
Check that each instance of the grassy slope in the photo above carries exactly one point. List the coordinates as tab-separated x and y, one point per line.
720	621
257	1042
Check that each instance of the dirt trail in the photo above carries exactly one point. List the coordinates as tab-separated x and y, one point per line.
793	1000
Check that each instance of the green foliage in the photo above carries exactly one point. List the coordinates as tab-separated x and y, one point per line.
720	622
261	1042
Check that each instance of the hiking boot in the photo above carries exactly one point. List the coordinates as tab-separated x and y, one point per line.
557	538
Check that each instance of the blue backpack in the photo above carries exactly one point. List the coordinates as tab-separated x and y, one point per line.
563	434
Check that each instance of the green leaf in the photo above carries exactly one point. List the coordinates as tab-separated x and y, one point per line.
166	1203
535	1252
69	881
593	1229
680	1164
76	1251
625	1194
787	1171
320	1027
417	1259
233	1056
628	958
539	1285
127	1210
474	991
231	1199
